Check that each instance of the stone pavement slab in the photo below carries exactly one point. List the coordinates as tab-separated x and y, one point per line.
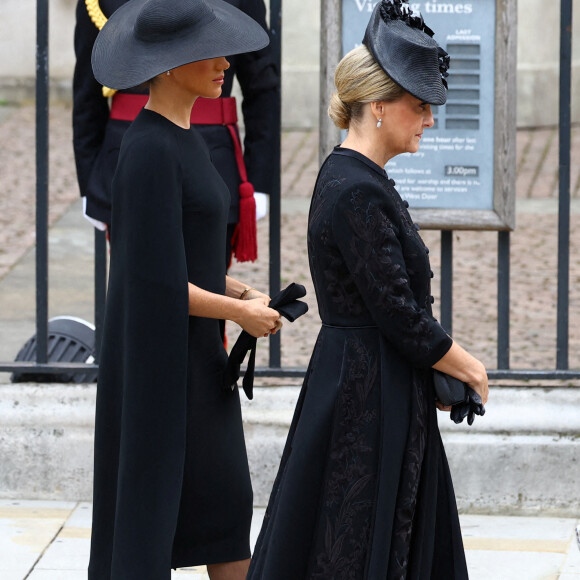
50	541
517	547
27	528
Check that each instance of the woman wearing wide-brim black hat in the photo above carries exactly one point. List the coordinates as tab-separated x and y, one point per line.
171	484
364	490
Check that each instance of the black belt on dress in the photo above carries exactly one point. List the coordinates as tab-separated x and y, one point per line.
349	327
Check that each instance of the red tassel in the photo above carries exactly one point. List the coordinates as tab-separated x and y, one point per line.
245	240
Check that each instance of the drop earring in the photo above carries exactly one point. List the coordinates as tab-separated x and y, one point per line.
379	123
168	73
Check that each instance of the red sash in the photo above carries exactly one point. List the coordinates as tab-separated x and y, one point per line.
126	106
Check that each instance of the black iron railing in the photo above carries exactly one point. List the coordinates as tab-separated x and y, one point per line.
275	369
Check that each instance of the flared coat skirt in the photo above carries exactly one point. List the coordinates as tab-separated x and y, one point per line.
364	489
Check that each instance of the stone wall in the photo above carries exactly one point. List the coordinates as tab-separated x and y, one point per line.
538	53
539	62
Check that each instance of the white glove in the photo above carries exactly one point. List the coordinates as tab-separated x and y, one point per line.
261	205
99	225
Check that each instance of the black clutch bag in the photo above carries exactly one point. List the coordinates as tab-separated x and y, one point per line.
462	399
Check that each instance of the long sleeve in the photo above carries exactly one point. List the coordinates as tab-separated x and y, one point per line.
371	239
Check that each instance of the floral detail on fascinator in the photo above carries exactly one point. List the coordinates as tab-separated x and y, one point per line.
444	59
400	10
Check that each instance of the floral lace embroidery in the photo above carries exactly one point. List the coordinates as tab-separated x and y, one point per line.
339	288
343	541
409	483
376	247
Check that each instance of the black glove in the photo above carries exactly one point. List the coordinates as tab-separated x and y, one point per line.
462	399
472	406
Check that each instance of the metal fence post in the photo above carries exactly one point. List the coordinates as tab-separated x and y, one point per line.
275	195
42	99
503	300
447	280
564	186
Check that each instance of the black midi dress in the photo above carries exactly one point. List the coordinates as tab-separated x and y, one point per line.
364	490
171	484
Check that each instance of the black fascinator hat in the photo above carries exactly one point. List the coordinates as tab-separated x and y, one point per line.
145	38
403	46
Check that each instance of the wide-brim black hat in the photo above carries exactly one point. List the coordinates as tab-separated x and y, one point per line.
145	38
403	46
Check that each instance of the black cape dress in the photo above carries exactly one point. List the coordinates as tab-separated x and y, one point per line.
171	484
364	489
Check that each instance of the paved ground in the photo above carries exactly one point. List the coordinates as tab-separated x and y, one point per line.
50	541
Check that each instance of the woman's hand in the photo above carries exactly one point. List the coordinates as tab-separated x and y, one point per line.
251	313
257	319
253	294
479	382
458	363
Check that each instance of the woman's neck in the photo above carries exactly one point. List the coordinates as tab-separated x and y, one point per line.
369	147
174	105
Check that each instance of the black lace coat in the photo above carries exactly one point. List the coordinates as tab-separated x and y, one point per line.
364	490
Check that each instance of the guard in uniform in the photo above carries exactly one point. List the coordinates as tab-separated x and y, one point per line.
101	117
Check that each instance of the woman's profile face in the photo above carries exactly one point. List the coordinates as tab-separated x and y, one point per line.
203	78
403	124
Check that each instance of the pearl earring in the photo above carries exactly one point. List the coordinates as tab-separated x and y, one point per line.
168	73
379	123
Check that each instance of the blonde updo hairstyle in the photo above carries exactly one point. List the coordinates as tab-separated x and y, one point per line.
359	80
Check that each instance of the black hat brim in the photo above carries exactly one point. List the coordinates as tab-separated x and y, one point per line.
120	60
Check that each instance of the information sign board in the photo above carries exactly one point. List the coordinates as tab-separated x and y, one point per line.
463	175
